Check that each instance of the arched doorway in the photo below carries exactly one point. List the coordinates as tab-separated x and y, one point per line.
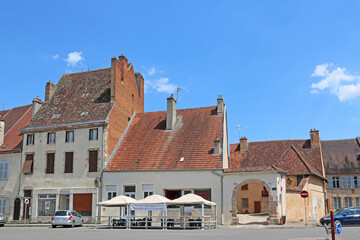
253	196
16	209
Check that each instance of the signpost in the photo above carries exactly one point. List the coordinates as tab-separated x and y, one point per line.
26	207
304	194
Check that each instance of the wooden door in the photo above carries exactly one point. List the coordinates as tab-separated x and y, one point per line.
257	207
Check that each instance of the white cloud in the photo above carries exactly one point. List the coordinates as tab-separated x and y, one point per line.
160	85
74	58
151	71
337	81
56	56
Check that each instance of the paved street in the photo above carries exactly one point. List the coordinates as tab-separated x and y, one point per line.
89	233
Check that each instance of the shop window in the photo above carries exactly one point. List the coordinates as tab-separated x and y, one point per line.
47	204
111	192
69	158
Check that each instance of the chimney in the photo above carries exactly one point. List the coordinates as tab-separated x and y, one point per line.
2	130
170	113
315	138
49	90
220	105
36	105
244	144
217	148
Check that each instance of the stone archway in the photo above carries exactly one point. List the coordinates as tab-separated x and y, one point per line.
273	213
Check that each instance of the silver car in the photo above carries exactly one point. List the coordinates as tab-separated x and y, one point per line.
2	221
66	218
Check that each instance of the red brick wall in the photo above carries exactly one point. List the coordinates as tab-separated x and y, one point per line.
126	97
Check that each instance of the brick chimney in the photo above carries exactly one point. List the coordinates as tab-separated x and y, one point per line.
170	113
36	105
49	90
244	144
220	105
217	146
117	75
2	130
315	138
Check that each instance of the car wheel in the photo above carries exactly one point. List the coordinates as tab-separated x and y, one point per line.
73	224
53	226
1	225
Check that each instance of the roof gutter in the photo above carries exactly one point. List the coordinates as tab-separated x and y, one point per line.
43	128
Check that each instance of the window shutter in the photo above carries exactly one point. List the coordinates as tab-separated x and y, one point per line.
330	179
50	163
69	156
93	161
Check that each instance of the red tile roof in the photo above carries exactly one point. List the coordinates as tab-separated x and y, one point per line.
15	119
293	156
79	97
148	146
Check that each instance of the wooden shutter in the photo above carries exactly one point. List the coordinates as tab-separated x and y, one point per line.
93	157
27	168
50	163
69	156
82	202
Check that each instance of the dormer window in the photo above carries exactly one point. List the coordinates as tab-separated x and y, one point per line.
84	113
55	116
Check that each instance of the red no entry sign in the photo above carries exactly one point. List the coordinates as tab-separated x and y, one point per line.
304	194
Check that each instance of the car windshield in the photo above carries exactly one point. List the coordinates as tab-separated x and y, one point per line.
61	213
337	211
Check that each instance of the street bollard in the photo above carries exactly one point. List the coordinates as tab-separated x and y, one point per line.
332	225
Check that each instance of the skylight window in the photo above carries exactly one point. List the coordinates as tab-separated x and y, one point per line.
85	94
4	146
84	113
182	159
55	116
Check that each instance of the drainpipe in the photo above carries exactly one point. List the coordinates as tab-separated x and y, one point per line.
102	169
222	193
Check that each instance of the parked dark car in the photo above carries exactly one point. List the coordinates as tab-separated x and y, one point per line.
345	216
66	218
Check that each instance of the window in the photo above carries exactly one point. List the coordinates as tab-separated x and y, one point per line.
129	191
2	206
4	170
50	161
93	159
348	202
334	182
111	192
337	202
356	180
93	134
28	164
298	179
69	157
358	201
245	202
51	138
30	139
347	182
69	137
148	190
47	204
204	193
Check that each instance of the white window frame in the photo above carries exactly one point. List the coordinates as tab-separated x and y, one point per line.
2	206
30	139
357	201
69	136
348	201
130	194
337	202
93	134
336	182
148	190
111	191
4	170
51	138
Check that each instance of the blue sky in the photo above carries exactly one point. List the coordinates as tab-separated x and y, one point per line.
284	67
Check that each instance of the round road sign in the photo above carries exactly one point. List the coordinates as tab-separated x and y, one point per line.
338	228
304	194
